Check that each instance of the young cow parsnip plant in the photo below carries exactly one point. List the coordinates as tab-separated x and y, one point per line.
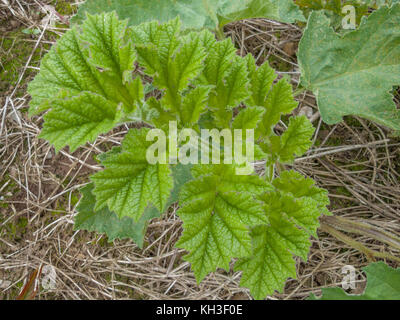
89	83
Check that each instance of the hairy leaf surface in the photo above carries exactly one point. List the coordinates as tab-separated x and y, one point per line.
269	265
353	74
193	13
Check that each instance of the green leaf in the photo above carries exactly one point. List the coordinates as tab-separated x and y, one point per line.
228	180
215	224
79	119
70	67
194	104
85	81
303	212
155	112
283	10
188	62
218	61
333	9
278	101
103	33
193	13
248	118
170	60
291	221
139	11
232	90
298	186
383	283
262	79
63	69
268	267
107	222
129	183
353	74
296	140
228	74
181	174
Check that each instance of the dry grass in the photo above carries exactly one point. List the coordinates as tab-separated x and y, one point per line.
357	161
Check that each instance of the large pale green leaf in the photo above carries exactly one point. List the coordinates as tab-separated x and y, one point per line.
353	74
195	14
333	9
383	283
280	10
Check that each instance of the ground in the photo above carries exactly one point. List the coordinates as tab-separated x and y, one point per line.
356	160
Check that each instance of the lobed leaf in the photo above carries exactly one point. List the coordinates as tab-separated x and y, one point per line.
129	184
278	101
84	81
215	224
269	265
78	120
296	140
291	221
106	221
353	74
